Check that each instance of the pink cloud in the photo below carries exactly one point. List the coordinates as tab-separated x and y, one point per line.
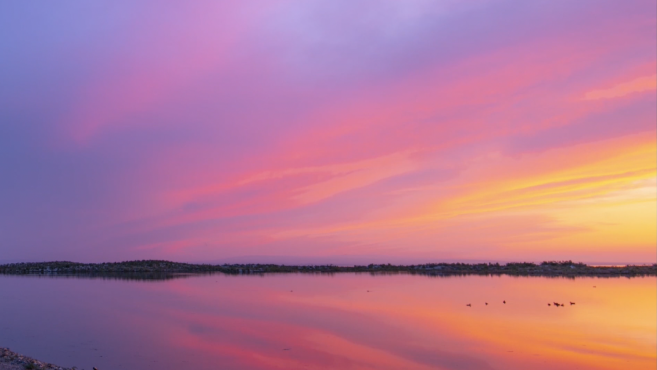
638	85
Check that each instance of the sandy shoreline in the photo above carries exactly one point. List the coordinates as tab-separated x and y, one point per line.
10	360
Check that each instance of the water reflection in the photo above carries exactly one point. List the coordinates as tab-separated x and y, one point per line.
125	276
350	321
154	276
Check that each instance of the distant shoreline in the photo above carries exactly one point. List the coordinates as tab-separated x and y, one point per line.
158	269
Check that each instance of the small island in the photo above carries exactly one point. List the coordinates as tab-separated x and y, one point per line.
158	269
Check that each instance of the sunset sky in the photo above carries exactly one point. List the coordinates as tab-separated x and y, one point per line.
342	131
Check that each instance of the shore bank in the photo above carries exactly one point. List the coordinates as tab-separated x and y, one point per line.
162	268
10	360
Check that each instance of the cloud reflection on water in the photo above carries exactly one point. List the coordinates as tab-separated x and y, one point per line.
350	321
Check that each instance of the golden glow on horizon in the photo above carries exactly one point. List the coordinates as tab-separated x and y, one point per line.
596	197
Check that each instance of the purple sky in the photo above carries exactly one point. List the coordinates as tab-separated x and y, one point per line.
328	130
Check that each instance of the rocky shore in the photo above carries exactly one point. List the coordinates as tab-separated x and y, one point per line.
13	361
155	269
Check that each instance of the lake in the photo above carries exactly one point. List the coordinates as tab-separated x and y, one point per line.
341	321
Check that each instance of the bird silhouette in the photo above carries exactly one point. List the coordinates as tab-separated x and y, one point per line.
572	303
504	302
486	303
549	304
469	305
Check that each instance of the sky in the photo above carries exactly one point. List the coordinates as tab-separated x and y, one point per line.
342	131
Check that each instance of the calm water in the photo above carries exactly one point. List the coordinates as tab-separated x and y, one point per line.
332	322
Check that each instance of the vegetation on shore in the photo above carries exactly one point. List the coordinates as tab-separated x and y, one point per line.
156	269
